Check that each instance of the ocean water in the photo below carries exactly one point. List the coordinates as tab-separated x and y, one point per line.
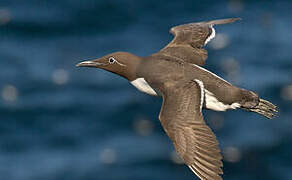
59	122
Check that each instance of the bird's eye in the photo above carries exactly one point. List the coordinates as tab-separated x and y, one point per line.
111	60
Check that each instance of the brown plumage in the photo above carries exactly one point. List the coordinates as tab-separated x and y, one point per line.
182	119
175	72
189	40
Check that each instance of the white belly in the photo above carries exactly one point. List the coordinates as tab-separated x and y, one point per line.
143	86
212	103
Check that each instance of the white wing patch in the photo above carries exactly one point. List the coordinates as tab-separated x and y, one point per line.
213	34
200	83
143	86
213	103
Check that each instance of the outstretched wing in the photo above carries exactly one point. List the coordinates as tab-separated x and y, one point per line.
194	141
189	40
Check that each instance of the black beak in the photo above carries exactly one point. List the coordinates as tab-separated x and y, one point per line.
89	64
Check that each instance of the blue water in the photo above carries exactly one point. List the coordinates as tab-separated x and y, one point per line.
58	122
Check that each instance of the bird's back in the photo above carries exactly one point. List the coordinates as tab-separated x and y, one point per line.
161	72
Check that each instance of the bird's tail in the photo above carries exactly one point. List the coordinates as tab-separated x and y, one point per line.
265	108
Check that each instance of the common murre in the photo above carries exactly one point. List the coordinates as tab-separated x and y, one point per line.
176	74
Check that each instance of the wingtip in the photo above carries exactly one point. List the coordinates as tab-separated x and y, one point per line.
223	21
236	19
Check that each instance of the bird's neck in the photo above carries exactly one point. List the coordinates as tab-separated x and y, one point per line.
130	71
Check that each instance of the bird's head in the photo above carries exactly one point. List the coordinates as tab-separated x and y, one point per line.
121	63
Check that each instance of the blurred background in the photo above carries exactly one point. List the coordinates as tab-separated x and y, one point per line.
62	122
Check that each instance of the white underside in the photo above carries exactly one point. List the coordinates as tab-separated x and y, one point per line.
213	34
208	97
213	103
143	86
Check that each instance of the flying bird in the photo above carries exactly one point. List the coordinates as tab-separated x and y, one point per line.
177	74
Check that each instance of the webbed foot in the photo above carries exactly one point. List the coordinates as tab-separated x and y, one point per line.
264	108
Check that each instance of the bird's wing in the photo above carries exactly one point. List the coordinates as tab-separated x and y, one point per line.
194	141
189	40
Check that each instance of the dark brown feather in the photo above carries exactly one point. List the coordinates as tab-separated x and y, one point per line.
189	40
194	141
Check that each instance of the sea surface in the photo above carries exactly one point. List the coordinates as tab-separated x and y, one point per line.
59	122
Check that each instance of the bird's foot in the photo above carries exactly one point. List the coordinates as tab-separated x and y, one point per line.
264	108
